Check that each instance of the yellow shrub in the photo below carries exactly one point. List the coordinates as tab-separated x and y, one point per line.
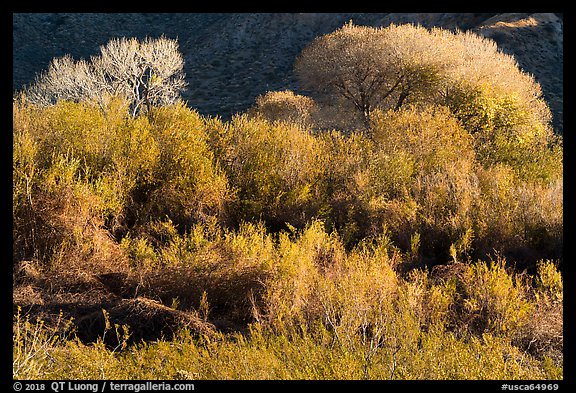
285	106
432	136
549	280
494	299
33	345
274	168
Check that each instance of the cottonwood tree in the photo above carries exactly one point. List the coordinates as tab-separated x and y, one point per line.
388	68
146	73
373	67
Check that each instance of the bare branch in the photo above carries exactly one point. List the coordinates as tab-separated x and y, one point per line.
148	73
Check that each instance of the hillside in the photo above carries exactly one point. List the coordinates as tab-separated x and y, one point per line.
232	58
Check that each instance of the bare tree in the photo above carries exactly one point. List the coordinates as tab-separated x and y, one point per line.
65	79
147	73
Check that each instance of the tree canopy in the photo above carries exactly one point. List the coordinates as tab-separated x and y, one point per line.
390	67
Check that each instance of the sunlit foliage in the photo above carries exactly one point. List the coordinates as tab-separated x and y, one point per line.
424	244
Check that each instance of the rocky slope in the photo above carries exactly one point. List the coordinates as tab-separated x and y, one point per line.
233	57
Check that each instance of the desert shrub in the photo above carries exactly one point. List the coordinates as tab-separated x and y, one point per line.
318	311
285	106
353	300
430	302
295	276
117	171
73	210
417	171
487	357
549	281
25	173
268	356
274	168
60	212
318	297
364	310
185	184
424	159
140	251
71	187
228	269
493	299
81	131
505	130
414	173
543	335
348	185
522	218
432	136
34	343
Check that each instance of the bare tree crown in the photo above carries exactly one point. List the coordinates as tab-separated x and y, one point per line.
146	73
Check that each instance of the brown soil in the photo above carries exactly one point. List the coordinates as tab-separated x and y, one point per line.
95	301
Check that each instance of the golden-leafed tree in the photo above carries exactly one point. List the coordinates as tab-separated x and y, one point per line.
390	67
374	67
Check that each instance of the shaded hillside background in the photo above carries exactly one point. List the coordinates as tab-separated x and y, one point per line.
233	57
